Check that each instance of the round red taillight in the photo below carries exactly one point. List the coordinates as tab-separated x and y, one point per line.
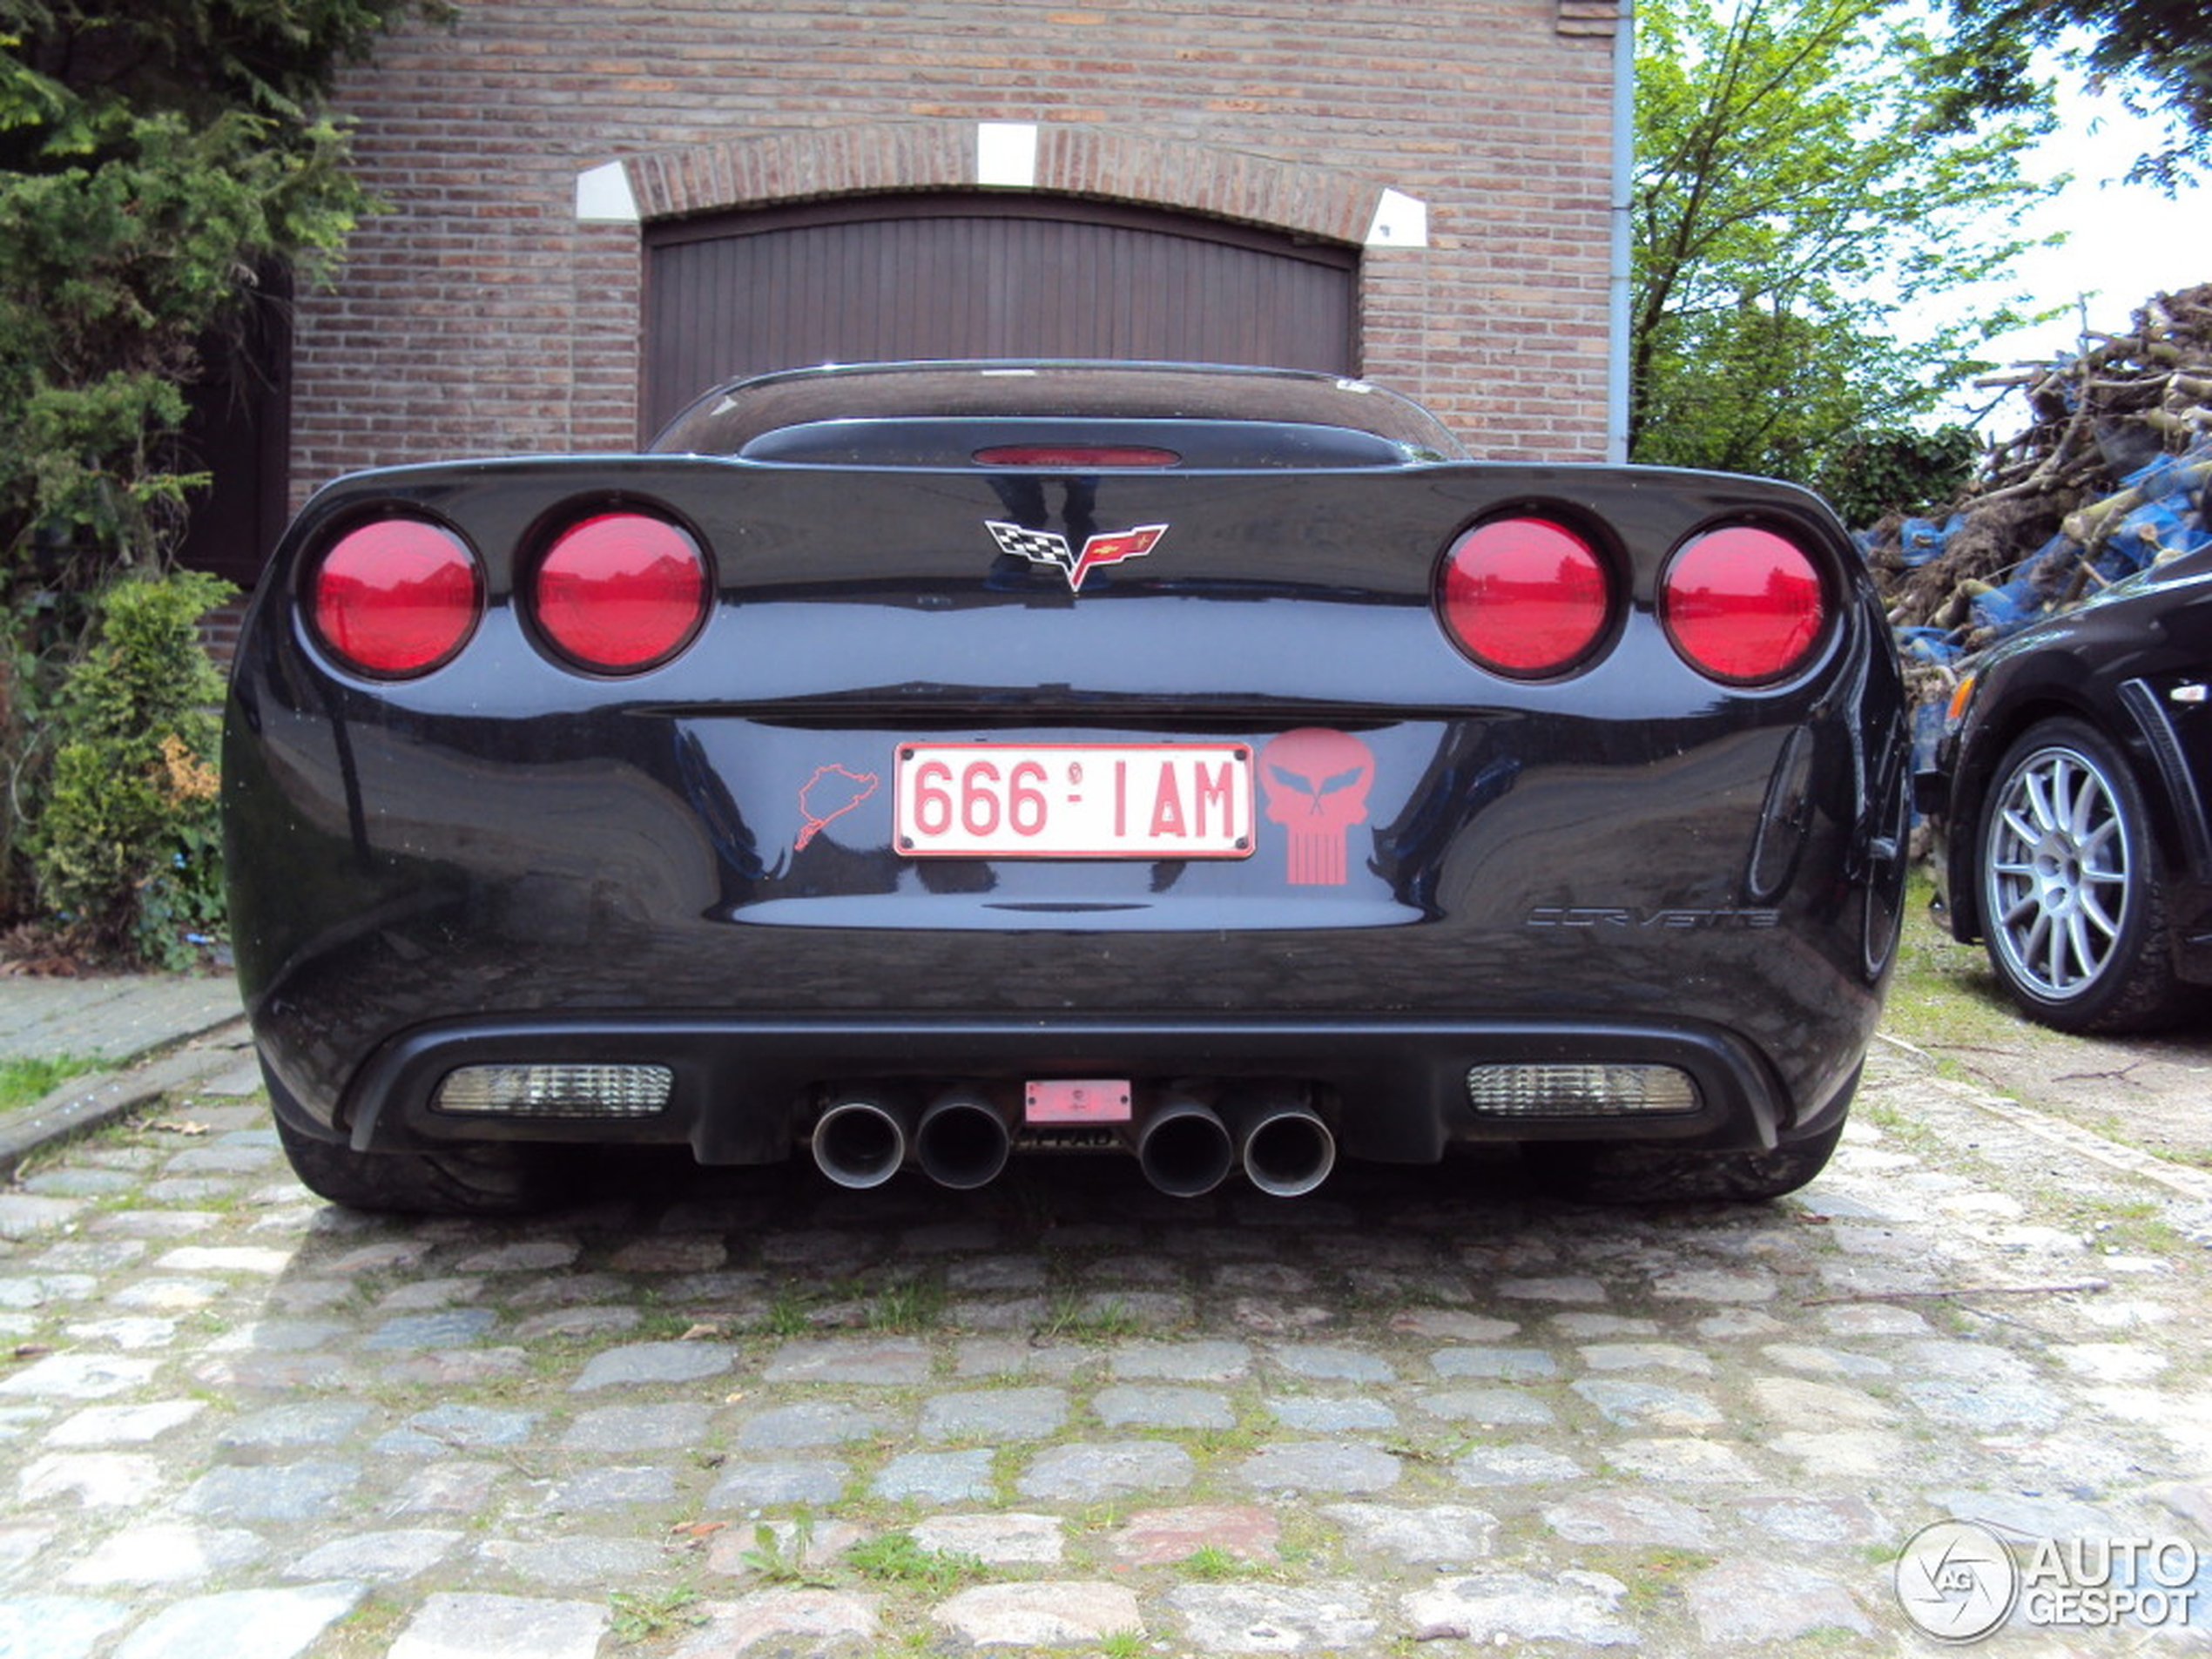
621	592
1742	604
1524	596
396	597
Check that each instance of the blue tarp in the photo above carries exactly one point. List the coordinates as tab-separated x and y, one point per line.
2170	521
1922	539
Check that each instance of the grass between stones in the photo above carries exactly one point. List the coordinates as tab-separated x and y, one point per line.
1074	1317
1655	1577
1210	1564
895	1558
368	1631
26	1082
646	1615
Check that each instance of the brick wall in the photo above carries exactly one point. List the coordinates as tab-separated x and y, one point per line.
479	315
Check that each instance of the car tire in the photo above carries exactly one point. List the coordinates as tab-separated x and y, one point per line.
1640	1172
480	1179
2071	885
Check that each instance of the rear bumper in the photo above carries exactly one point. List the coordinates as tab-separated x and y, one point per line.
748	1090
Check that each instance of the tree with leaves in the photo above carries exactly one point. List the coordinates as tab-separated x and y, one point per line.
2156	55
1805	175
155	155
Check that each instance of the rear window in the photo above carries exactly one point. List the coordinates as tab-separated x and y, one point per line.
944	413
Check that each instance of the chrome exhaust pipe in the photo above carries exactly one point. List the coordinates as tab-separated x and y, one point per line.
861	1138
1183	1147
962	1141
1285	1147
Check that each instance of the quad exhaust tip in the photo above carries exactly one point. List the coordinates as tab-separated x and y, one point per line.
964	1140
1182	1146
1287	1149
861	1139
1185	1146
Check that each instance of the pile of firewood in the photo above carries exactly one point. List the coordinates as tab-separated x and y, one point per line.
2108	477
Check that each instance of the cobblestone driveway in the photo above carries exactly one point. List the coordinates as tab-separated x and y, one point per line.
1418	1408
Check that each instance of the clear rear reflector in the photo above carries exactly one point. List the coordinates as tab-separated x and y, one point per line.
396	596
1552	1090
558	1092
1742	604
621	592
1524	596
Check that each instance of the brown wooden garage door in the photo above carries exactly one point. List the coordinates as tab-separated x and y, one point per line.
980	275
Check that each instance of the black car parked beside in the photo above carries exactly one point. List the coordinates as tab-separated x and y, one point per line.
2068	789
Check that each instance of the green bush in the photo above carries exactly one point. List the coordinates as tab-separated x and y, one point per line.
1897	470
158	161
125	844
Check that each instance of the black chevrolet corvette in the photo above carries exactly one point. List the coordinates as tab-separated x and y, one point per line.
937	763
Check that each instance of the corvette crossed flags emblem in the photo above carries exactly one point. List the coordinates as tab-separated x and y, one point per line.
1049	547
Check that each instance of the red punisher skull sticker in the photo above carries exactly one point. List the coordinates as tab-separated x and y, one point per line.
1317	782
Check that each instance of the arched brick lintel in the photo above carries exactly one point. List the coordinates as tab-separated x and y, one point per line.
1068	160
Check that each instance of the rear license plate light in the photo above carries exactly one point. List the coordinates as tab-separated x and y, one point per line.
1088	1099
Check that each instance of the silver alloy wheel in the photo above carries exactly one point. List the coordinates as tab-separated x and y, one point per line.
2056	872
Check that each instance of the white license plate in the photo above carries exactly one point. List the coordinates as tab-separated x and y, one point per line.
1074	800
